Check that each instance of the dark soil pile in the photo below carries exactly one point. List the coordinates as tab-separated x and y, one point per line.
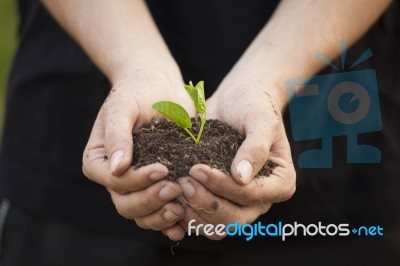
164	142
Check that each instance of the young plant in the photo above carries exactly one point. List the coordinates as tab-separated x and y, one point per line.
176	113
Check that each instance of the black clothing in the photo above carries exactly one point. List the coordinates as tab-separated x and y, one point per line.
55	92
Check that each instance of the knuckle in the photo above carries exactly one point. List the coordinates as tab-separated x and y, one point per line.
287	191
244	219
153	222
176	236
216	237
85	172
264	207
262	150
122	209
292	186
141	224
86	161
151	202
114	185
174	233
159	222
247	197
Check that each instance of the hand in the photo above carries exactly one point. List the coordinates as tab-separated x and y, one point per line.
214	197
143	194
255	110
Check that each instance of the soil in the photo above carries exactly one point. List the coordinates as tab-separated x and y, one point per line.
164	142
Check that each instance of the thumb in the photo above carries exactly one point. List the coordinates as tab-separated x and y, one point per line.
252	154
118	143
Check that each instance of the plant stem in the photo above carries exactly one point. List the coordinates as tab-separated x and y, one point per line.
203	122
191	135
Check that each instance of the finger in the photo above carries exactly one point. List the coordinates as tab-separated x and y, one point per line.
215	209
190	216
277	187
175	232
286	174
96	168
254	151
144	202
281	148
119	119
193	223
163	218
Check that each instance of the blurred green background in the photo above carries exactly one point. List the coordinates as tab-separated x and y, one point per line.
8	40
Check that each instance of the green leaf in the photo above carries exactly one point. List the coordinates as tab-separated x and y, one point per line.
201	99
174	112
191	90
197	95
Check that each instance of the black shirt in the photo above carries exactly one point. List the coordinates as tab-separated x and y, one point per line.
55	92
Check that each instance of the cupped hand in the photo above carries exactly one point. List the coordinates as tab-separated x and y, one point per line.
214	197
255	110
143	195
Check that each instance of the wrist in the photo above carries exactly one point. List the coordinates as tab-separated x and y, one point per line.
260	83
145	67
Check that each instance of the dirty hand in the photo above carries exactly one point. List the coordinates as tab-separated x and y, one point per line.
217	198
143	194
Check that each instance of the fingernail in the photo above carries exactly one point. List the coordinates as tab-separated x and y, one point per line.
170	216
245	171
166	193
116	159
199	175
157	176
187	188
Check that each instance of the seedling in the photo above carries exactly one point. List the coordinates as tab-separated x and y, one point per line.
177	114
